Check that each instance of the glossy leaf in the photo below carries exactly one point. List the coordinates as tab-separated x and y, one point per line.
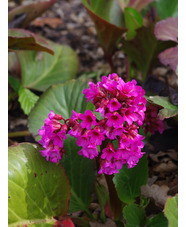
169	110
27	99
20	39
129	181
81	174
171	211
62	99
143	50
134	216
31	11
157	220
40	70
133	20
166	8
109	22
15	84
37	189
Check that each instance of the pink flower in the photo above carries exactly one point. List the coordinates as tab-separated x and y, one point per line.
52	115
114	119
95	136
122	106
75	116
108	152
102	106
114	105
83	140
152	123
76	131
129	115
88	119
53	132
89	151
113	132
55	155
91	92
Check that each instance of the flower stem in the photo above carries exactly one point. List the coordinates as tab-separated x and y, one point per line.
127	69
19	134
109	60
115	203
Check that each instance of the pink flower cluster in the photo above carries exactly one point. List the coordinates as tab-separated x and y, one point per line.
122	106
152	123
53	132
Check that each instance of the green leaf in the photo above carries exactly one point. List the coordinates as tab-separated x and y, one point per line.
31	12
14	83
27	100
109	22
157	220
129	181
133	20
62	99
102	195
108	10
20	39
37	190
169	110
166	8
144	49
171	211
81	174
40	70
134	216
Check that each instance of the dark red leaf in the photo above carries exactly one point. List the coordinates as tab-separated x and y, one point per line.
108	33
167	29
20	39
31	10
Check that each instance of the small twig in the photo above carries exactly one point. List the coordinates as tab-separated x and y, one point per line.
19	134
109	60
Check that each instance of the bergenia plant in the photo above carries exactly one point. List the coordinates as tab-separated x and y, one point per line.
112	139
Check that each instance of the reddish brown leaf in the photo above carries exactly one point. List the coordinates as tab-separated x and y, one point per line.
108	211
170	57
108	33
31	10
52	22
20	39
167	29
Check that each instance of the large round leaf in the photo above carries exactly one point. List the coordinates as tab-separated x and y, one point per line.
38	190
81	174
134	216
62	99
40	70
171	211
129	181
